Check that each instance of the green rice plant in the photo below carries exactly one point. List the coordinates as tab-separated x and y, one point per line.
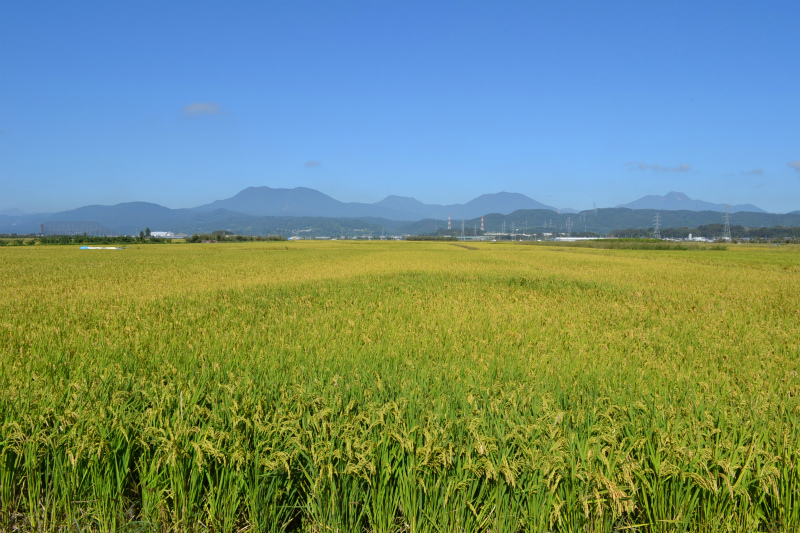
224	498
383	504
273	502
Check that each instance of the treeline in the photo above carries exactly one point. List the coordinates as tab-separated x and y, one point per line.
225	236
127	239
88	239
711	231
82	239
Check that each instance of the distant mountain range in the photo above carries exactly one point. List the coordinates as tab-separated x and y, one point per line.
677	201
261	210
302	201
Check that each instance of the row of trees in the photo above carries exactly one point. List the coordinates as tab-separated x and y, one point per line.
710	231
79	239
144	237
227	236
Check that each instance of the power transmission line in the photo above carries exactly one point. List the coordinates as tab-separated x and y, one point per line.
726	230
657	226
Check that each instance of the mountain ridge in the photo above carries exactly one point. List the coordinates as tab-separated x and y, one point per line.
678	201
303	201
265	209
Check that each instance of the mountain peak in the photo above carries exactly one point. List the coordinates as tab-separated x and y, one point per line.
678	201
499	202
677	196
393	200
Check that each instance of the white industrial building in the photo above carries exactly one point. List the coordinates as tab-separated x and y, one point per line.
167	235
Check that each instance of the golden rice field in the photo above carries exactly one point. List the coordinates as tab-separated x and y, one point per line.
399	387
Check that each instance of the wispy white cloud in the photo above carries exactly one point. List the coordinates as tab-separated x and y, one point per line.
202	108
795	165
754	172
313	163
638	165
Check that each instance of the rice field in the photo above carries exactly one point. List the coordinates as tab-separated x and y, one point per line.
399	387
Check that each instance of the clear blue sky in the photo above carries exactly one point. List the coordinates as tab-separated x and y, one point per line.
570	103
